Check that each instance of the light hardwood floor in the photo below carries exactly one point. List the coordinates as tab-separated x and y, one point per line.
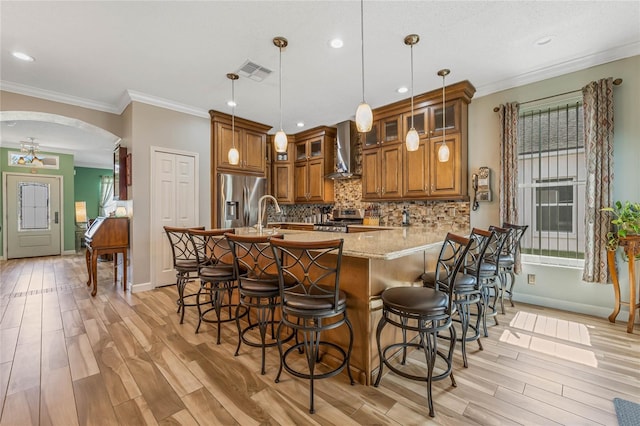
67	358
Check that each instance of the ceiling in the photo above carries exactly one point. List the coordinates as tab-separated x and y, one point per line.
177	53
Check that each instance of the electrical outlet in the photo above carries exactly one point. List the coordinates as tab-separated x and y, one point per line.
531	278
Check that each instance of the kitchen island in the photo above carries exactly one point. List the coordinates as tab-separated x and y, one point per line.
372	262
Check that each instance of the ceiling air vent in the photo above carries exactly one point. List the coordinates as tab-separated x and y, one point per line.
254	71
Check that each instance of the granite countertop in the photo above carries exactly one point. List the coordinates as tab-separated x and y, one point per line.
386	244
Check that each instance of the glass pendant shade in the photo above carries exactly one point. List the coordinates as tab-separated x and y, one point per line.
412	140
364	118
233	156
280	141
443	153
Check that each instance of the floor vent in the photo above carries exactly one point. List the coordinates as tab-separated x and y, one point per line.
254	71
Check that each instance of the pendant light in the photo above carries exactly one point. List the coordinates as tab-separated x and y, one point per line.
364	115
412	140
280	140
443	151
233	155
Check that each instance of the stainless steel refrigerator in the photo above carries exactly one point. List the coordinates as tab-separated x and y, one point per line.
238	199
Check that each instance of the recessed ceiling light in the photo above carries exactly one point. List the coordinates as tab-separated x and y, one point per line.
11	123
231	103
402	89
544	40
300	124
336	43
23	56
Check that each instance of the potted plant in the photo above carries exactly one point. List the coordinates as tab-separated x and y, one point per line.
626	220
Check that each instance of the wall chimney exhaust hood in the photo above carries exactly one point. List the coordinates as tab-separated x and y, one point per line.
348	161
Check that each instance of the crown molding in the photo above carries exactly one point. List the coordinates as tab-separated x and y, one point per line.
165	103
557	70
50	95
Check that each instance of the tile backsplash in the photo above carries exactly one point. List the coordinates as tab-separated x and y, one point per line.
438	215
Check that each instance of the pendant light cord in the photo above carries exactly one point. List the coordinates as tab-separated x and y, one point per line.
412	87
444	111
233	113
362	44
280	48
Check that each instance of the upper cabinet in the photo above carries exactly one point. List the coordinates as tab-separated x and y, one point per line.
313	160
384	131
250	141
282	172
419	174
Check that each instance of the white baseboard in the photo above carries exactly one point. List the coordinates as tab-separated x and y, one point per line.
580	308
137	288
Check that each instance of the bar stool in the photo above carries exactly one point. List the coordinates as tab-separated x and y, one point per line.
490	275
258	289
467	290
426	311
508	260
185	262
315	296
217	277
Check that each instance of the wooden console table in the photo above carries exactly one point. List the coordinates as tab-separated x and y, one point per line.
631	246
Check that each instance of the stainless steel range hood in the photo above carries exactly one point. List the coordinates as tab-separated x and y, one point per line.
348	162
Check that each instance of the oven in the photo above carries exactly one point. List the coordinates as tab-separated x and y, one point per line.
342	218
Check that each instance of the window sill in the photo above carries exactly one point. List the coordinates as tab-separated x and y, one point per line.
561	262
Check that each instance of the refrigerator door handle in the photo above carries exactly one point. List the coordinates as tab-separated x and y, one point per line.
245	204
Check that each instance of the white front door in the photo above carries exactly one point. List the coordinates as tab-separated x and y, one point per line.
33	216
174	203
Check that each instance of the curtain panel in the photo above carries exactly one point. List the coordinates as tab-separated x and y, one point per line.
508	116
598	133
106	195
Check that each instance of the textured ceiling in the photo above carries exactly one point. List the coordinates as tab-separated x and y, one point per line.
100	54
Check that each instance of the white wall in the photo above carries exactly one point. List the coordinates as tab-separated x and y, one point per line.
556	286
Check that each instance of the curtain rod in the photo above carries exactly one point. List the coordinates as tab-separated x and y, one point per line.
616	82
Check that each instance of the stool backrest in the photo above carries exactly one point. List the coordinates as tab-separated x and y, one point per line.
312	267
512	246
253	257
452	256
476	255
212	247
496	247
182	247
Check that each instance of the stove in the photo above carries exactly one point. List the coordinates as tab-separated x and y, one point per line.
342	218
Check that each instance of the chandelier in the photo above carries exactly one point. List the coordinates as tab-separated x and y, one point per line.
29	150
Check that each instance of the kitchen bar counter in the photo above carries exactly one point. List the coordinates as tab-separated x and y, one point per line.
371	262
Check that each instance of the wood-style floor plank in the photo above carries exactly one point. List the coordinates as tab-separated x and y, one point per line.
57	403
68	358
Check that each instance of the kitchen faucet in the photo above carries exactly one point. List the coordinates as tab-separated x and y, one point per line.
264	198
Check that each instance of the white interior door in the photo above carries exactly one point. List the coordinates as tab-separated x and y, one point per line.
175	203
33	216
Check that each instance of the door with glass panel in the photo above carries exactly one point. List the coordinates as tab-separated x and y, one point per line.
34	216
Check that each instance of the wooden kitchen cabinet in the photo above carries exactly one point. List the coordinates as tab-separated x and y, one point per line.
313	161
418	174
282	173
384	131
446	178
382	173
250	140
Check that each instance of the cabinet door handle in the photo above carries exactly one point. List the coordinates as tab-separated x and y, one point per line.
383	190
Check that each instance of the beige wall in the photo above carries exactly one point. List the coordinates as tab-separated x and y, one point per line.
105	120
153	126
556	286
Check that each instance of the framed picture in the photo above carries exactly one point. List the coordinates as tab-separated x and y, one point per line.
120	173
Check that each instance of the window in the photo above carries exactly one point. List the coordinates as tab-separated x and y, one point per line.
551	181
554	205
